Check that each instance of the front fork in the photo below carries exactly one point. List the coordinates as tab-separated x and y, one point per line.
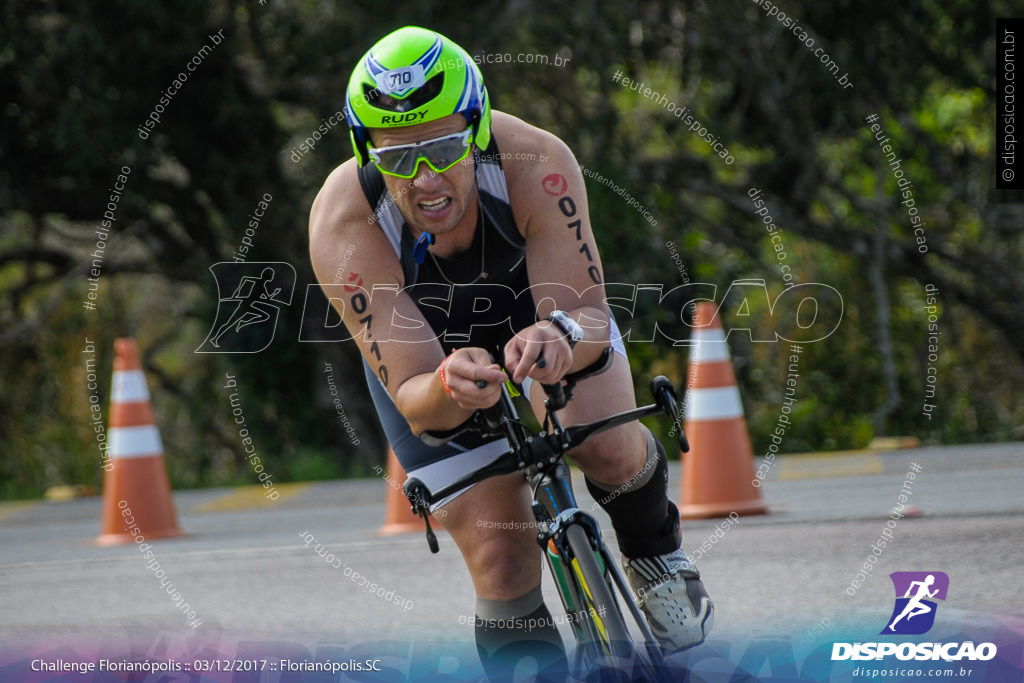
555	507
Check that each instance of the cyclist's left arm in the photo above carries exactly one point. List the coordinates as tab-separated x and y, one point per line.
550	201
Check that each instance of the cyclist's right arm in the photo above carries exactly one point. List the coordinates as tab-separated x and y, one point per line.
406	359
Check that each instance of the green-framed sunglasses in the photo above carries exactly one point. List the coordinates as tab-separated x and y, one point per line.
440	154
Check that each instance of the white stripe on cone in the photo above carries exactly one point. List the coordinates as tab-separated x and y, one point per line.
130	386
718	403
709	345
134	442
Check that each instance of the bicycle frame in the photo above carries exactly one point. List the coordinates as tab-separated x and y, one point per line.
540	457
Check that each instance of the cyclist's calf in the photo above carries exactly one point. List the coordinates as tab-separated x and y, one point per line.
491	525
646	522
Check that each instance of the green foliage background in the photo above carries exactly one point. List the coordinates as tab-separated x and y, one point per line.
78	78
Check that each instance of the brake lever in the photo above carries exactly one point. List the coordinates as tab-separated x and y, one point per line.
665	395
416	491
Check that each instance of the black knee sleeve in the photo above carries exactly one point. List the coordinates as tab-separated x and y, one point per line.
646	522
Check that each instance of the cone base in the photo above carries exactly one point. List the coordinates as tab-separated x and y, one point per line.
137	491
396	528
104	540
711	510
718	472
408	526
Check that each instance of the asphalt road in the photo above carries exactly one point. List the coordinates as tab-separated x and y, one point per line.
245	570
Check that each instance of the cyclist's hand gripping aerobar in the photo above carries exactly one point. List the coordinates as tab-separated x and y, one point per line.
472	378
539	351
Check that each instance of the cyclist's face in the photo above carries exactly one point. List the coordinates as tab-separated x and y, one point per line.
430	201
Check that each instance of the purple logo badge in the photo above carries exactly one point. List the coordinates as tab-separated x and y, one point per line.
916	592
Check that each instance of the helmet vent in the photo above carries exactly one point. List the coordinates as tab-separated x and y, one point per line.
419	97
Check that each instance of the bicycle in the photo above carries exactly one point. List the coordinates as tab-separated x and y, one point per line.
587	578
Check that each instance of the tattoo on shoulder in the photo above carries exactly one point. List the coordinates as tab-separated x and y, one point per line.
555	184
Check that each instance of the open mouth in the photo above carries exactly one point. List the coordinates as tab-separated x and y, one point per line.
435	205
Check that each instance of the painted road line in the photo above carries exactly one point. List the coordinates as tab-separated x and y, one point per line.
245	497
8	510
838	464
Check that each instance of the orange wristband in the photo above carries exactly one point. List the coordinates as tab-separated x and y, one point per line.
444	380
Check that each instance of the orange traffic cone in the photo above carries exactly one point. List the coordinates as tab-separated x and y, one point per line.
398	519
136	492
718	472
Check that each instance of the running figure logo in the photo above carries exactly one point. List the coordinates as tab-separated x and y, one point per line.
247	317
914	612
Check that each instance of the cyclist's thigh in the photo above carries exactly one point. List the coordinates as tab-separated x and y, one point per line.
596	397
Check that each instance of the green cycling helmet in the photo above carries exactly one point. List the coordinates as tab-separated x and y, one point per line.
414	76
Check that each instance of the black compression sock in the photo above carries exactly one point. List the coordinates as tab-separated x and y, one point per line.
646	522
503	642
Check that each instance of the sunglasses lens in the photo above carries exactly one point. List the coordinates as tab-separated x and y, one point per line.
439	154
400	161
445	154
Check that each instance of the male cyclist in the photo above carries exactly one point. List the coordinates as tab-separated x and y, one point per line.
435	217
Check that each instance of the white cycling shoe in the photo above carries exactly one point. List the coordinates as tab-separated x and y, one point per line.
671	595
